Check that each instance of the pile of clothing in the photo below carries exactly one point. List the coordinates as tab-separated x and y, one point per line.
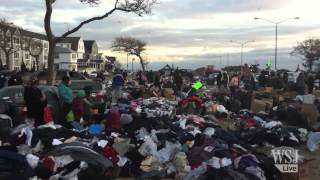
149	138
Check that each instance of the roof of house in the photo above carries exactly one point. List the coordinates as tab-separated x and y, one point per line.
63	50
9	27
33	34
12	28
74	41
88	46
166	67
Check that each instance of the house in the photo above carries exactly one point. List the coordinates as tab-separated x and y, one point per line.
74	43
65	58
166	70
91	49
92	60
69	54
16	44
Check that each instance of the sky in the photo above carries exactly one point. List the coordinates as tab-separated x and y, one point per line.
185	33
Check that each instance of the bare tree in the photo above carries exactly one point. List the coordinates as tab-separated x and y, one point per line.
308	51
117	65
130	46
138	7
8	40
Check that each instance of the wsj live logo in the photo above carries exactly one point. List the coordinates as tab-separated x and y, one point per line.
286	159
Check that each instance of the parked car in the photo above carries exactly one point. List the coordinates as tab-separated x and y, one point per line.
24	76
15	94
93	74
43	75
97	88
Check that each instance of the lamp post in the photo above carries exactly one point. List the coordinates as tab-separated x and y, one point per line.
276	23
127	62
132	63
242	44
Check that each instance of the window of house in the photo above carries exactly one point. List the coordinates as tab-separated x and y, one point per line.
74	56
45	45
45	57
16	55
56	55
27	56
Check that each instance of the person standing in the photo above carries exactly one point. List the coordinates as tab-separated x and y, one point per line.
66	97
3	80
234	84
157	80
78	109
225	80
219	80
301	84
310	83
177	80
285	79
34	102
88	103
117	84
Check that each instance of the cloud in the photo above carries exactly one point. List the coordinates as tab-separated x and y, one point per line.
189	8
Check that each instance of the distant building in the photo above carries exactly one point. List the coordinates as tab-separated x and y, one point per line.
65	58
16	35
166	70
92	60
73	53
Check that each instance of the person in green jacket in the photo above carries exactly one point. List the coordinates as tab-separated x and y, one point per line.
66	97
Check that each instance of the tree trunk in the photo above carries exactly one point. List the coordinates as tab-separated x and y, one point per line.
52	41
51	75
141	62
7	60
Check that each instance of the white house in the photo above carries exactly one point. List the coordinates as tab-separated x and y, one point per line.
66	59
70	54
92	59
74	43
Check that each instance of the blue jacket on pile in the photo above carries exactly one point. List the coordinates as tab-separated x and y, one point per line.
117	81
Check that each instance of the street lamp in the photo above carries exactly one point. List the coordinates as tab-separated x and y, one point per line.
127	61
276	23
242	44
132	64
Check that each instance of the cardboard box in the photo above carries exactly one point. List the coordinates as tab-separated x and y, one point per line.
303	173
311	111
290	94
268	90
316	93
168	92
258	105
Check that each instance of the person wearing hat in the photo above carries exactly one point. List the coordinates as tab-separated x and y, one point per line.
34	99
117	84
